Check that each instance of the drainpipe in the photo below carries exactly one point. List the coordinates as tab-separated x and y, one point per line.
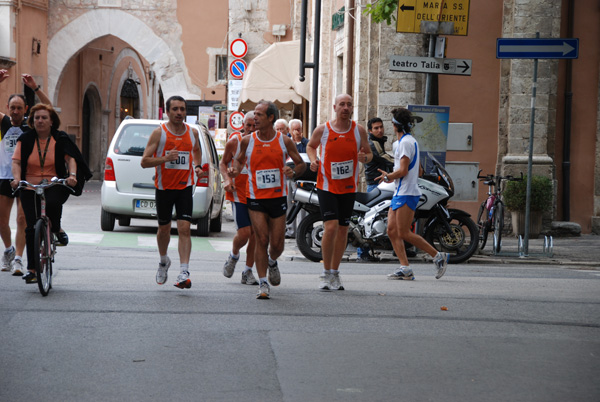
315	64
566	165
350	51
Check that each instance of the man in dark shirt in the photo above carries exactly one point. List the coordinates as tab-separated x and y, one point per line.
381	159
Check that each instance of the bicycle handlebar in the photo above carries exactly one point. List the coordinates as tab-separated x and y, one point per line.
55	181
492	177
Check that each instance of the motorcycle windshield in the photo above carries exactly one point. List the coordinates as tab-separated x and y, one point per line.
442	172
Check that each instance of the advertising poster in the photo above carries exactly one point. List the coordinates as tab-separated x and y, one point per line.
431	133
208	117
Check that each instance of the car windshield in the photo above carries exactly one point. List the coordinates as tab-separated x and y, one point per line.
133	139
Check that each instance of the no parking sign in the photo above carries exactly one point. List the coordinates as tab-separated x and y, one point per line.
237	68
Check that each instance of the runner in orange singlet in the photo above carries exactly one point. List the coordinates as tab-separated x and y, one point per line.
170	150
236	190
264	154
343	144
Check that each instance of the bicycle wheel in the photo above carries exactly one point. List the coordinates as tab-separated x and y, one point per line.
483	223
43	260
498	226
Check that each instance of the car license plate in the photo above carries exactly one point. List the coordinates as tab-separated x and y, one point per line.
145	205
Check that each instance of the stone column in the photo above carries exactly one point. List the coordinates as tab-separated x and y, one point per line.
524	20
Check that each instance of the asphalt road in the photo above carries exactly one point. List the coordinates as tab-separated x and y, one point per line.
107	332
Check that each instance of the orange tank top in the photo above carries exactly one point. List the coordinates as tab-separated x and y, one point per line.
241	181
265	161
178	174
338	172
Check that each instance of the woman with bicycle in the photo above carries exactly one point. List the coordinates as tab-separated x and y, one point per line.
42	153
406	198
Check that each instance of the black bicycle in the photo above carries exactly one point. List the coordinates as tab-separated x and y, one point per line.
45	241
491	212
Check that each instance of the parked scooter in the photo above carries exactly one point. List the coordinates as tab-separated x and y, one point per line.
448	230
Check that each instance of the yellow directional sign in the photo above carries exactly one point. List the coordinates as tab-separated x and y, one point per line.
442	17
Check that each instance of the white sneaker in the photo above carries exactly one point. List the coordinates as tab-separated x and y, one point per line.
7	259
17	269
403	274
336	282
229	266
248	278
325	281
183	280
263	291
441	263
161	274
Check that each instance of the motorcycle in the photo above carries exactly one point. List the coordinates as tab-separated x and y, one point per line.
446	229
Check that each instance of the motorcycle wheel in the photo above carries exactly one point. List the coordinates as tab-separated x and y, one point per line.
461	244
309	235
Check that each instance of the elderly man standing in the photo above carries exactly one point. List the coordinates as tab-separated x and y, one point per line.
301	142
282	126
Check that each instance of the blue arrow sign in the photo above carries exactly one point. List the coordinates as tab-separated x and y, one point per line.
510	48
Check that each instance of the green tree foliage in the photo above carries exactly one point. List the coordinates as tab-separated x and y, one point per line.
382	10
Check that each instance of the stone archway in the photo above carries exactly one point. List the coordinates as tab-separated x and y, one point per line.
91	130
166	62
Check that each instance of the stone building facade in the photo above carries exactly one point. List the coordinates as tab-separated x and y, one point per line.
495	100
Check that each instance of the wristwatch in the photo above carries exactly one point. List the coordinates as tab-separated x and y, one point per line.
37	89
293	174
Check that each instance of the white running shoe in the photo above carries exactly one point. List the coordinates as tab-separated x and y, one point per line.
403	274
162	273
229	266
336	282
248	278
17	269
325	281
183	280
441	263
274	275
7	259
263	291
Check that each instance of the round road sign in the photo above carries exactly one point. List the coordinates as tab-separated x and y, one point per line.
236	120
238	48
237	68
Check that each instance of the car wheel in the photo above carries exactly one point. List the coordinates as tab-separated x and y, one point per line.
203	228
107	221
125	221
215	224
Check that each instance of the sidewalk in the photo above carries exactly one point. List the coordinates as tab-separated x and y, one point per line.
583	251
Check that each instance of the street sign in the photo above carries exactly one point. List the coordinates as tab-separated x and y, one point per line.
237	68
234	89
519	48
430	65
450	17
236	120
219	108
238	48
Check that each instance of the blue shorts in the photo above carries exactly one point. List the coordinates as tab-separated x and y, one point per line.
241	217
400	200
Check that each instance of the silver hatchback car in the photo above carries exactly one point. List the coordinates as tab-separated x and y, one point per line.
128	189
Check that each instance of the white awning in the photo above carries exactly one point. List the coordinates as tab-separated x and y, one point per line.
273	76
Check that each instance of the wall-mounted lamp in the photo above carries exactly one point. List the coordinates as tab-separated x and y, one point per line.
36	46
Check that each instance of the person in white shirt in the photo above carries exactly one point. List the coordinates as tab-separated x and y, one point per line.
406	198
